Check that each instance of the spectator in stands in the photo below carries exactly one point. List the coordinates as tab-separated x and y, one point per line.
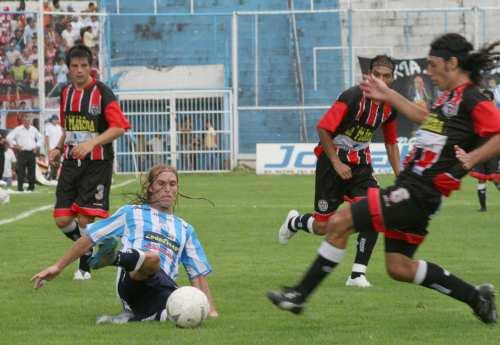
29	31
157	147
27	140
210	144
12	54
53	132
61	73
94	23
18	72
3	148
495	89
51	36
32	73
50	51
91	8
87	37
57	6
66	35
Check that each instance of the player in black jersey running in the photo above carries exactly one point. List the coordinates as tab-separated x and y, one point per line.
343	169
91	119
446	148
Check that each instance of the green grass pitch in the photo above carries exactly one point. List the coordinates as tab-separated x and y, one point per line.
240	237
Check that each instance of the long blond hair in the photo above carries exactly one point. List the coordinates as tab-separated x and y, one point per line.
144	196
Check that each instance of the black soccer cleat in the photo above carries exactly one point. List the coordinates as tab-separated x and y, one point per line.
287	299
486	309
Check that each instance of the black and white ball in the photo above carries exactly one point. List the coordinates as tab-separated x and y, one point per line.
187	307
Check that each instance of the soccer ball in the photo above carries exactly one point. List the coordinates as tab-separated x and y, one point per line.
187	307
4	197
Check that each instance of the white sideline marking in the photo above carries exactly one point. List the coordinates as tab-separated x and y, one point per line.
47	207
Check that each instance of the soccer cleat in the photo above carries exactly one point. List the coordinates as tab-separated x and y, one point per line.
360	281
287	299
486	309
81	275
119	319
105	253
285	233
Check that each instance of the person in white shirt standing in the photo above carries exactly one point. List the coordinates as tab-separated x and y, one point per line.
26	139
53	132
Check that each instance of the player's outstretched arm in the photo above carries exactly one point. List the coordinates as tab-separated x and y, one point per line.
201	283
394	157
376	89
79	248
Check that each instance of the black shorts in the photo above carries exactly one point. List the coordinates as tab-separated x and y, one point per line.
84	189
395	212
487	171
331	190
147	298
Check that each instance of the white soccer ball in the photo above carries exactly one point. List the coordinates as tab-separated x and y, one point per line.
4	197
187	307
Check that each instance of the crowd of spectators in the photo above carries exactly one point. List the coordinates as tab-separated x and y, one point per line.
19	79
19	53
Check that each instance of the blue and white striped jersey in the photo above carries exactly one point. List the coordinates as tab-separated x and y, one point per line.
145	228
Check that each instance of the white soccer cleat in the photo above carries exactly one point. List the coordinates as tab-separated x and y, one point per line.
360	281
81	275
285	233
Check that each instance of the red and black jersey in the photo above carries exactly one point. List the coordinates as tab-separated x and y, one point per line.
88	112
352	120
458	117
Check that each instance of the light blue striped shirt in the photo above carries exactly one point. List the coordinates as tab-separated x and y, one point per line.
145	228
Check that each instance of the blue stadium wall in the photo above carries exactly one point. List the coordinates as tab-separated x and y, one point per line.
205	38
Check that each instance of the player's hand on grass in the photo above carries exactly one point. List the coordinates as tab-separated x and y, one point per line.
49	273
374	88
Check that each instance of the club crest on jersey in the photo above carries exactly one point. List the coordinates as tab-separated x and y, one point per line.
450	109
322	205
95	109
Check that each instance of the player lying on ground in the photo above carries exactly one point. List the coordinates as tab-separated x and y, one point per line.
154	242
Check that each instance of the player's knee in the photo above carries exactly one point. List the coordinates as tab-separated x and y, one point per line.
63	222
400	268
83	220
340	223
151	263
320	227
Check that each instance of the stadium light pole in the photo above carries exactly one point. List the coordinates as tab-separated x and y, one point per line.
235	86
41	64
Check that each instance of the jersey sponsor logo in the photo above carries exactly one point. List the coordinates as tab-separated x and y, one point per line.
162	239
155	247
360	133
79	123
433	124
